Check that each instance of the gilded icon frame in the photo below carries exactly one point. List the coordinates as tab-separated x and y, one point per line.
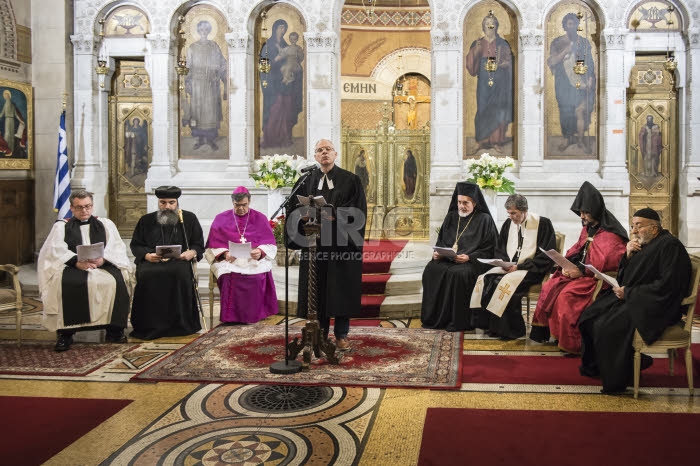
21	155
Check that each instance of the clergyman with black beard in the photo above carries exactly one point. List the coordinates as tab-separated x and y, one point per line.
165	302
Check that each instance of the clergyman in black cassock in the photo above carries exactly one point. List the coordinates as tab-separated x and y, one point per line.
653	276
523	236
339	256
447	284
165	302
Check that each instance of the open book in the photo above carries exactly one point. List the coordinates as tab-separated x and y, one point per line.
600	275
172	251
88	252
498	263
319	201
239	250
445	252
558	259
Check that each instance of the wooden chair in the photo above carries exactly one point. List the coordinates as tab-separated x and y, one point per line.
674	337
11	298
534	291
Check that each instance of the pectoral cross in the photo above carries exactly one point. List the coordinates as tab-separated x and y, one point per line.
242	239
504	291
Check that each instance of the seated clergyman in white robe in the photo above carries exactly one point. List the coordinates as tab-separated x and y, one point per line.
89	294
495	301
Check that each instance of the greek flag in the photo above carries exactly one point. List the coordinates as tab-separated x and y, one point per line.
61	186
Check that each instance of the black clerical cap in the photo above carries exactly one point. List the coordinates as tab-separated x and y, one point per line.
590	200
467	188
647	213
168	192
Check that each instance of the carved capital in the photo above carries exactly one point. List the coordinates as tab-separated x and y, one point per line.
694	38
320	40
237	40
531	39
159	43
614	39
83	44
446	40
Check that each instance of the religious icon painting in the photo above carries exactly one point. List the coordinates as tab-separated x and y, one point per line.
204	90
571	82
281	65
16	122
490	44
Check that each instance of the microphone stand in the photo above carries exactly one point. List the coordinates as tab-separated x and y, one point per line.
288	366
194	272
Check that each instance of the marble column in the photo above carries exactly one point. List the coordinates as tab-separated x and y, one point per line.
530	150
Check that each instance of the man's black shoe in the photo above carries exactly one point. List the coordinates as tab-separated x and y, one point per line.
116	337
646	362
63	343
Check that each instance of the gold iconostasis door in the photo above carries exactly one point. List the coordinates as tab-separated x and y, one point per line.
130	148
652	150
394	167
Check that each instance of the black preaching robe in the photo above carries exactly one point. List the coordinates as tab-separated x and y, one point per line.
511	324
447	286
339	266
656	280
165	302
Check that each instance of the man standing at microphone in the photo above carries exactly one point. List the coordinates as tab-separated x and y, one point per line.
165	300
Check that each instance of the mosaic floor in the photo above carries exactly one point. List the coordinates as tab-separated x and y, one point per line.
215	424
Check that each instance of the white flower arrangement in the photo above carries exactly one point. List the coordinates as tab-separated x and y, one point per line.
277	171
487	172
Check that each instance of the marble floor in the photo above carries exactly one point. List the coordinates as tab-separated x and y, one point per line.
191	423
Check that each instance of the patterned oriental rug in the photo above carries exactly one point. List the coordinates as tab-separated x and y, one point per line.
454	436
39	358
379	357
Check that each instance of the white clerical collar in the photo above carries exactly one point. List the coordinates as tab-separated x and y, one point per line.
329	182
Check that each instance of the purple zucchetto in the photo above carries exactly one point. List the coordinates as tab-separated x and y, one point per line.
241	190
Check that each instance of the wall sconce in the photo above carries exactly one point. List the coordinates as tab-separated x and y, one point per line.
101	70
264	60
491	25
670	64
181	67
369	5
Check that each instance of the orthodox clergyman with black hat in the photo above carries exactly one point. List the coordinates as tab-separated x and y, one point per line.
165	302
470	231
654	275
567	293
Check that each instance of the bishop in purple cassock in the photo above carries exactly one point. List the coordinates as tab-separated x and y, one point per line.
246	285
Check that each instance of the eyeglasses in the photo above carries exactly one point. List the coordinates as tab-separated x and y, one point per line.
82	207
639	226
324	148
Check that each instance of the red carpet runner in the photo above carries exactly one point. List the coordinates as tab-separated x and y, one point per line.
453	436
35	429
377	257
553	370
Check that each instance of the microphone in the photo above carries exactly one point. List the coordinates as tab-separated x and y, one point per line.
179	215
308	169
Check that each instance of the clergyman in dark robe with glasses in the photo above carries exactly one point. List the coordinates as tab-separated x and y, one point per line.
165	302
469	230
569	291
339	251
496	298
654	275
